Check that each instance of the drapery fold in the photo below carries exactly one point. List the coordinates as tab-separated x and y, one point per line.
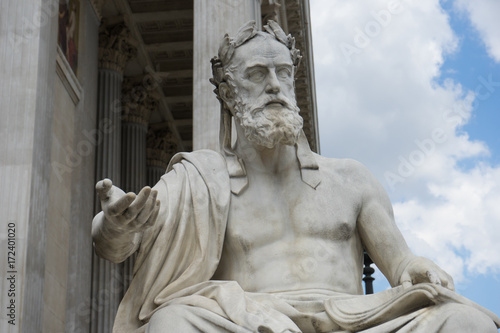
183	248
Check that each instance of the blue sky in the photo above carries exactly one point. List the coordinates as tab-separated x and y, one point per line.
412	90
468	66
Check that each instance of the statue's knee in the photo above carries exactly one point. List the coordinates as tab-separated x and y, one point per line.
467	319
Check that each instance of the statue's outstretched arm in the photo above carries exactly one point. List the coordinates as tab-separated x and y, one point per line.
118	228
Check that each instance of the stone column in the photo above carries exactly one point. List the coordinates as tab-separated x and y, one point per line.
28	44
137	106
161	146
212	19
115	49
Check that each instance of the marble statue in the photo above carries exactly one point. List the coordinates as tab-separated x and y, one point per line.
267	236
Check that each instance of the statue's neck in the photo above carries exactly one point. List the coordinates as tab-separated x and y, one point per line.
268	160
249	159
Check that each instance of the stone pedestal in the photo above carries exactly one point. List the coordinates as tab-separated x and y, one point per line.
212	19
115	50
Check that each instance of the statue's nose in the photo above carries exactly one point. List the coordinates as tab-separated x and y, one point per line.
273	84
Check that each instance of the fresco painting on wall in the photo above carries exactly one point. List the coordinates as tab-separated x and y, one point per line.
67	39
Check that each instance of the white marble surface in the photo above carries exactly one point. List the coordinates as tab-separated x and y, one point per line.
268	236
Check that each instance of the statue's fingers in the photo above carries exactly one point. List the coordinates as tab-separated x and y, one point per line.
447	281
154	216
433	277
120	205
138	203
143	217
103	188
147	211
450	284
406	280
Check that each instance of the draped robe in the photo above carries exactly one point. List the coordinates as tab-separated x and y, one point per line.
178	256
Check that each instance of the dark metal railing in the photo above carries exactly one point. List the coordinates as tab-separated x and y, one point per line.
367	272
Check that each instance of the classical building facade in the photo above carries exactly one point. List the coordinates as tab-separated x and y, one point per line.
93	89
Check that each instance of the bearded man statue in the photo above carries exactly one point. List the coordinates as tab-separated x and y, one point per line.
267	236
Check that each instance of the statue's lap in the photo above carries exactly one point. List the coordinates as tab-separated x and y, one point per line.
306	312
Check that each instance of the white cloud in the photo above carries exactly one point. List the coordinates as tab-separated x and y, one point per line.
381	101
460	228
484	17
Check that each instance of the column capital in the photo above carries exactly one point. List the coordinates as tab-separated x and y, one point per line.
97	6
137	102
116	45
270	10
161	146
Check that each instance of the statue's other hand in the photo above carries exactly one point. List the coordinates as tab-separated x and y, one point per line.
128	212
421	270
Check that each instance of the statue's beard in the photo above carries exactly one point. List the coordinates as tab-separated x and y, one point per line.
269	126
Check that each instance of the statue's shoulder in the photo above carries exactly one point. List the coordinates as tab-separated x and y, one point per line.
346	169
206	155
203	158
342	165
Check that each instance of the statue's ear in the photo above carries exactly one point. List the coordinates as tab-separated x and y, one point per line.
226	94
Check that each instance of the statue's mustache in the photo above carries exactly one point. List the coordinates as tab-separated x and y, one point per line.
284	101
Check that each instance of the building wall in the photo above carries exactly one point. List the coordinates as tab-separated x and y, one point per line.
27	37
59	216
71	188
80	249
47	169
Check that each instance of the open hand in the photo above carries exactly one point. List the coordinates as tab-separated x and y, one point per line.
128	212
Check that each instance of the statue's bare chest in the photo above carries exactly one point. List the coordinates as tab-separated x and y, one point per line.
270	211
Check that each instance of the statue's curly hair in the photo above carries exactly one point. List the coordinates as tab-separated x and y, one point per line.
220	70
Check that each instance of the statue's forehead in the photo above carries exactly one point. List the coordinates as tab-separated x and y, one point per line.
261	50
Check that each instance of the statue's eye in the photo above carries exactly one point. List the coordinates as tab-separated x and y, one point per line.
256	75
284	73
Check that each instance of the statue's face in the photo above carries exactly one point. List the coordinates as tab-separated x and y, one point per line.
263	67
264	98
